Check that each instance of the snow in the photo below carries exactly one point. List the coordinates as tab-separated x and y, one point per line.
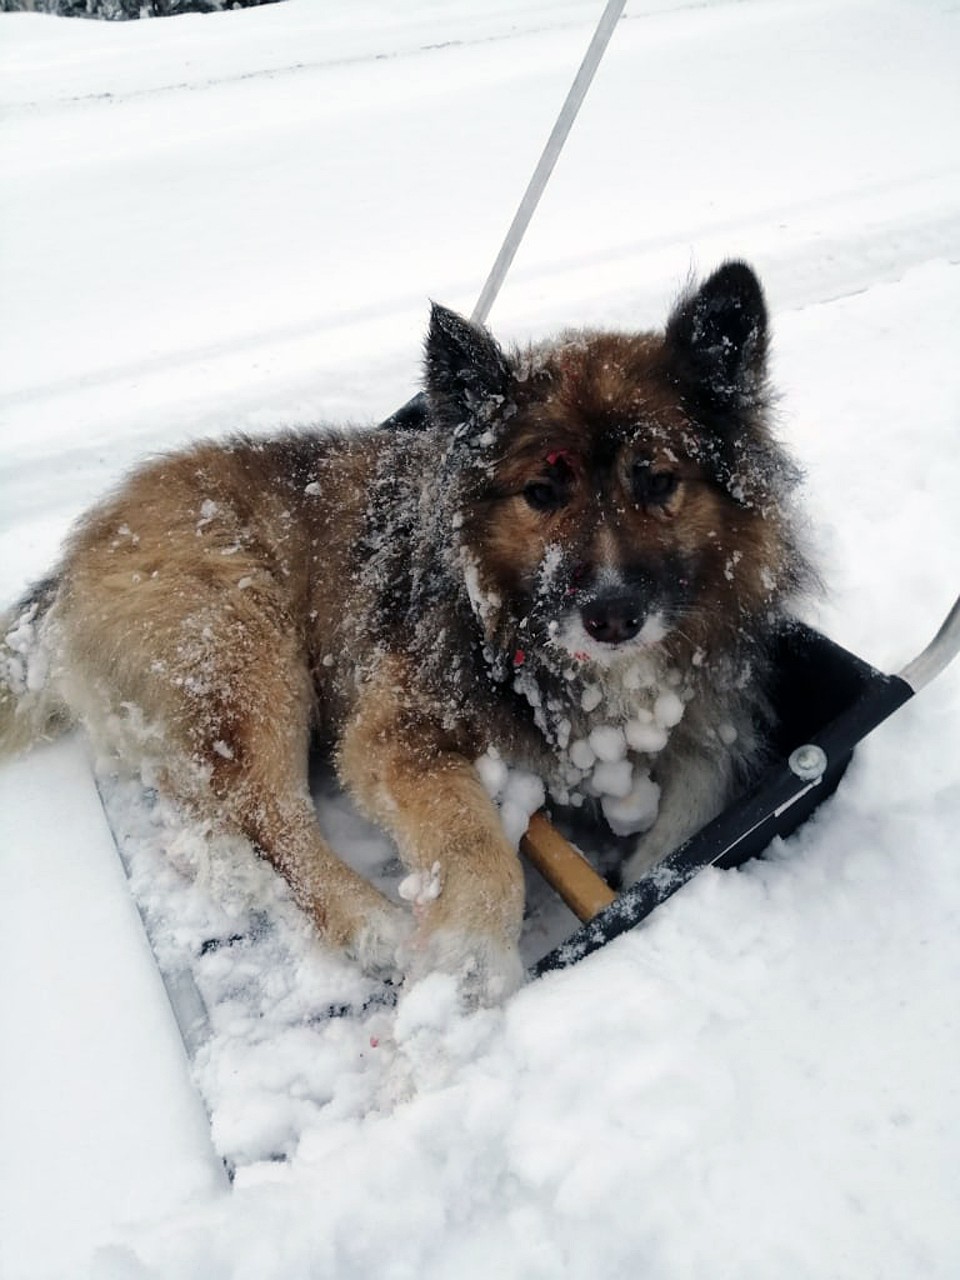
235	221
644	735
668	710
421	887
607	743
517	793
26	668
81	1000
634	808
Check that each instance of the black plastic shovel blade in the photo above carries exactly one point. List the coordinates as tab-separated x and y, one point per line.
827	700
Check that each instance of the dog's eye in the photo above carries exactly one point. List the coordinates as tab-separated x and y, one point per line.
653	488
551	490
545	495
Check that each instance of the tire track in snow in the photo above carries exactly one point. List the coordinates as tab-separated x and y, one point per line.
521	27
202	390
297	68
818	270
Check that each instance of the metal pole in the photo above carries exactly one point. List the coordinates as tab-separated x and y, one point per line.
941	651
531	197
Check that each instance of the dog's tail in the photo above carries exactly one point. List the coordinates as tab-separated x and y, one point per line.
30	709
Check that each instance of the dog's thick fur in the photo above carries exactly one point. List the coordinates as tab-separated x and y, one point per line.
577	529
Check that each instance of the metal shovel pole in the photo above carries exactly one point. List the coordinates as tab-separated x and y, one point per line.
411	415
548	158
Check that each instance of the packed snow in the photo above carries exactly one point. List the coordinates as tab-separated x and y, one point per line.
235	222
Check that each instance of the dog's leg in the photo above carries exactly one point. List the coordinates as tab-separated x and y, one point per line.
429	796
693	798
268	800
258	773
212	690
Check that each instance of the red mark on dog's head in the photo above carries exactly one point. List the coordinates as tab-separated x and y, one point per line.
560	455
519	658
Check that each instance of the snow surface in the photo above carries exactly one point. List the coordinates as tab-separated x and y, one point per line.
235	221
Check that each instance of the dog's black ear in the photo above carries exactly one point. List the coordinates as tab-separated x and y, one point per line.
716	340
464	368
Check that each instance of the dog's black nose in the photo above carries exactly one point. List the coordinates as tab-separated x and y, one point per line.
612	619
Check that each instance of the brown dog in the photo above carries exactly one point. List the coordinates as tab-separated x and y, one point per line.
574	568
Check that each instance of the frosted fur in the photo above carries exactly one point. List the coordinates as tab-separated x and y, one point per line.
570	570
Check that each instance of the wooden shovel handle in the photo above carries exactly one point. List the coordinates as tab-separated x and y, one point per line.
564	869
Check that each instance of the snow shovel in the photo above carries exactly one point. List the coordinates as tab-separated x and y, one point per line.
826	700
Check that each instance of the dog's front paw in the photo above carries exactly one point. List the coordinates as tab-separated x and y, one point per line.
380	943
487	969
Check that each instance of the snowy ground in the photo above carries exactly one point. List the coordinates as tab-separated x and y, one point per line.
236	221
